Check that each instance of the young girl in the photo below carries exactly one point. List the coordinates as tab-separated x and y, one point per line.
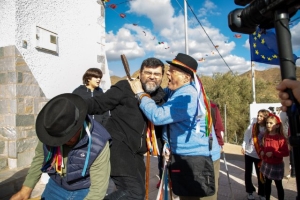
250	148
274	148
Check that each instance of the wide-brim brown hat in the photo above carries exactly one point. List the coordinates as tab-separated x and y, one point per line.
185	63
60	119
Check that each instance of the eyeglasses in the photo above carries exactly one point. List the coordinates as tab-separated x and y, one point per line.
147	73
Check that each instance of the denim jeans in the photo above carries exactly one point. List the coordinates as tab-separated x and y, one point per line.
55	192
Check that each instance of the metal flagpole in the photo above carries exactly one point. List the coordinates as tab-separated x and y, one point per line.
253	81
185	27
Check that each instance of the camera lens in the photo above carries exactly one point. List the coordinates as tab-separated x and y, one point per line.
251	15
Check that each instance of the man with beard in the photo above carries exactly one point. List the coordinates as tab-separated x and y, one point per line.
127	126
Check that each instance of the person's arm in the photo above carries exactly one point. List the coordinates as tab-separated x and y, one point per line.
218	126
283	150
247	138
33	175
99	173
179	107
284	96
108	100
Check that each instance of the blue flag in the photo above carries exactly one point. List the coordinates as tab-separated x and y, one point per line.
264	48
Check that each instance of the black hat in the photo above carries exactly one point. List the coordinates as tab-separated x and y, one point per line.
185	63
60	119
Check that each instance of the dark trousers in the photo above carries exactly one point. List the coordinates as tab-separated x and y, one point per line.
128	188
268	188
248	175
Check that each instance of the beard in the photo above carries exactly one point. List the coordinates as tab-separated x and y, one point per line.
150	87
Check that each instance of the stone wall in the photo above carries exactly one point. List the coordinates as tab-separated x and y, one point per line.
21	99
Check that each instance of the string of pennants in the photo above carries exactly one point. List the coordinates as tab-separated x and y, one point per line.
114	6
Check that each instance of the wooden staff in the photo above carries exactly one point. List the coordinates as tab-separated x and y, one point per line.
126	66
147	174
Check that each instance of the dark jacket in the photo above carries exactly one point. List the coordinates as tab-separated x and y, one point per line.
86	93
73	180
127	124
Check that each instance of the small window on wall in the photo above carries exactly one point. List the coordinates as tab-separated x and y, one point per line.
46	40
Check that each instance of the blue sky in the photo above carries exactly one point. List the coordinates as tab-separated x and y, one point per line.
150	22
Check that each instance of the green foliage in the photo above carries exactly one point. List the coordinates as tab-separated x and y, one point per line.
235	92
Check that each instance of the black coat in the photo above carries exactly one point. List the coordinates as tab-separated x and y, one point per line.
127	124
86	93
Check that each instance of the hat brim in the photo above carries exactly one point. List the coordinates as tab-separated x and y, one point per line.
181	67
49	140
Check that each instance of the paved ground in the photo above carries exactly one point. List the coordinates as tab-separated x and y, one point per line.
235	163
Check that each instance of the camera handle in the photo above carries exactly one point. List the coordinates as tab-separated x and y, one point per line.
288	71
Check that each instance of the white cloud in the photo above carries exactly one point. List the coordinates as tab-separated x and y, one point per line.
295	30
159	12
122	43
168	27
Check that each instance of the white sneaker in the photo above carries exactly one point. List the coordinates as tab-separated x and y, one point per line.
250	196
262	198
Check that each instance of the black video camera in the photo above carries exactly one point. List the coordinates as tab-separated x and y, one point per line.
258	13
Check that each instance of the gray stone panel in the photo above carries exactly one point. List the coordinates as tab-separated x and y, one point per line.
42	93
24	131
9	133
26	144
7	64
12	149
25	106
12	77
20	64
9	51
21	99
25	158
31	133
9	120
1	52
39	105
7	91
3	147
7	106
3	78
13	106
28	90
29	79
20	77
24	120
3	162
3	106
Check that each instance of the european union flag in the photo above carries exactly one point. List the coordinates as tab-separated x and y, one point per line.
264	47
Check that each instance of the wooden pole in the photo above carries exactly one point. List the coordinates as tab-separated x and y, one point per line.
147	174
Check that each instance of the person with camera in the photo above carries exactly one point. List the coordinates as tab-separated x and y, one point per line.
284	96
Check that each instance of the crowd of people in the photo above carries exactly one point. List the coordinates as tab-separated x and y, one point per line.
89	139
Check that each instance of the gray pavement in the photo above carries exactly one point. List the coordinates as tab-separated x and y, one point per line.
235	163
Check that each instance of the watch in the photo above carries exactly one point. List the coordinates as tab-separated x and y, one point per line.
140	95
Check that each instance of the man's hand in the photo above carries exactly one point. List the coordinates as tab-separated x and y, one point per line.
243	151
136	85
23	194
269	154
284	96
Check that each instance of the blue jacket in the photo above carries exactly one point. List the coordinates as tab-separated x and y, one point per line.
73	180
180	114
